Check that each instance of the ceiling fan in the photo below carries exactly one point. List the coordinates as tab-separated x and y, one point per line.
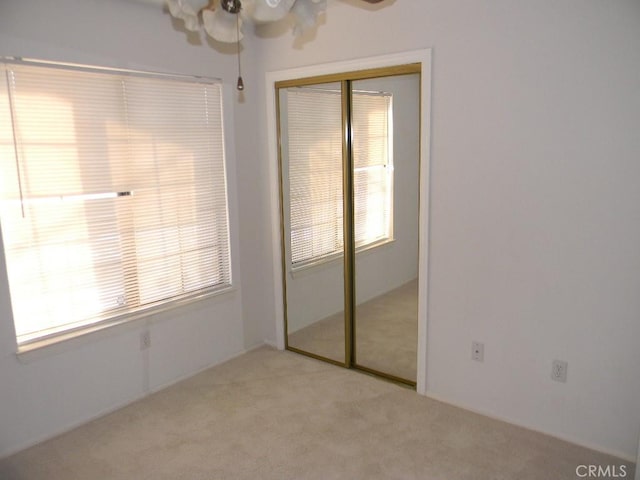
223	19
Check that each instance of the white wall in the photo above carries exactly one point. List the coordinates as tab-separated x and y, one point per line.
535	209
50	391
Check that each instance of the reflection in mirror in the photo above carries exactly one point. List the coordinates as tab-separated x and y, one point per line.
386	123
310	123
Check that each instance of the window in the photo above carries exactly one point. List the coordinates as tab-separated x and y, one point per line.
112	194
315	171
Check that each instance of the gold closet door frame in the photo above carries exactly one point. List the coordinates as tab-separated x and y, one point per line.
345	80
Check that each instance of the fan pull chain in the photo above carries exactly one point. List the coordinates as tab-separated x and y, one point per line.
240	84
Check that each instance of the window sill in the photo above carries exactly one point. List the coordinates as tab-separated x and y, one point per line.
330	260
66	341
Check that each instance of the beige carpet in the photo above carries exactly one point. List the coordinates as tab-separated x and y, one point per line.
278	415
386	333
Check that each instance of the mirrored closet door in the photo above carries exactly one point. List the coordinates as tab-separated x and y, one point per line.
312	197
349	178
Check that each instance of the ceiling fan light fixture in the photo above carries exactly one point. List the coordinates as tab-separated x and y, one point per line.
191	23
231	6
306	14
222	25
256	11
175	8
270	11
187	11
222	19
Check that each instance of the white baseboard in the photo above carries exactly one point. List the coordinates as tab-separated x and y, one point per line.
271	344
621	455
638	461
118	406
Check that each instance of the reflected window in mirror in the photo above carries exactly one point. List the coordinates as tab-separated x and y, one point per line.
315	162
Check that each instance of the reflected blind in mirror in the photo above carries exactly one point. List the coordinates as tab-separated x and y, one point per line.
315	173
372	166
314	124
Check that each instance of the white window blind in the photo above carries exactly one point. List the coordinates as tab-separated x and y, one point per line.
113	194
372	168
315	173
314	124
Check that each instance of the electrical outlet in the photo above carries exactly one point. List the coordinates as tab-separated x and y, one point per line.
145	340
477	351
559	370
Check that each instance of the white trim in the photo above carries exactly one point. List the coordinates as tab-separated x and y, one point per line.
416	56
516	423
638	461
274	190
425	216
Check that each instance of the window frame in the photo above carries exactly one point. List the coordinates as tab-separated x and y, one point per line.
105	320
